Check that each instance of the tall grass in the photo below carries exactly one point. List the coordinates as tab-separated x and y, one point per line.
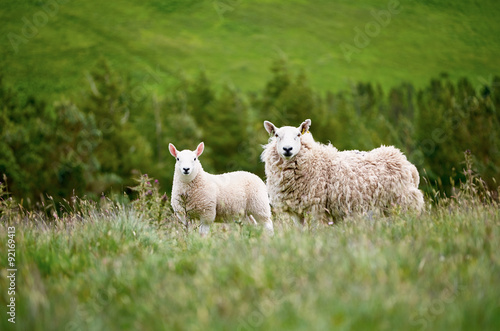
107	266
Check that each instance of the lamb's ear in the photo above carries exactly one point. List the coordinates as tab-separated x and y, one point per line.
304	127
270	127
199	149
172	150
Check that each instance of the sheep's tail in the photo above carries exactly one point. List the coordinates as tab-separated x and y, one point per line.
415	175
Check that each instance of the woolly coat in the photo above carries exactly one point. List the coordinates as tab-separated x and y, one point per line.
325	182
221	197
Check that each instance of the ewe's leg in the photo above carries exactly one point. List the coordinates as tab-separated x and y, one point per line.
268	226
297	220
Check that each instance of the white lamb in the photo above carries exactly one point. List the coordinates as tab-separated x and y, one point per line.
210	198
305	177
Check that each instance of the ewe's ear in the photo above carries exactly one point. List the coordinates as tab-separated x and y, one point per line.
200	149
270	127
304	127
172	150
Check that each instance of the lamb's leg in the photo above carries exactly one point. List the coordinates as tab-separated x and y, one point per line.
207	219
205	224
252	219
204	229
266	221
181	218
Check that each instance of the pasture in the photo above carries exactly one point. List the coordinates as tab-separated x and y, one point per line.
107	266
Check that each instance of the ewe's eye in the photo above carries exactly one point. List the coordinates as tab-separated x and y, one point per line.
298	135
276	135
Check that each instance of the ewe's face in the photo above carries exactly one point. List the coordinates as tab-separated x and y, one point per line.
287	138
288	141
187	164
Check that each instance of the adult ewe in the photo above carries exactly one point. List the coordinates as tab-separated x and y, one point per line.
305	177
210	198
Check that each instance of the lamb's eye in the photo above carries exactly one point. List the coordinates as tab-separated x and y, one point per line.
177	159
195	159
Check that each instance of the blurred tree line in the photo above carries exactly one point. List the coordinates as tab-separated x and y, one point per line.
100	140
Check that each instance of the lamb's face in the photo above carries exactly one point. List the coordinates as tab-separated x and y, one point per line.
288	141
187	165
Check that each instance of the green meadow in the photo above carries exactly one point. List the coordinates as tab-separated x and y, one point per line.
106	266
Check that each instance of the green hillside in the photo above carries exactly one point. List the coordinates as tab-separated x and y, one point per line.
48	47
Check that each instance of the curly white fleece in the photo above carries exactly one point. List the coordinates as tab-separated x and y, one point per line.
325	182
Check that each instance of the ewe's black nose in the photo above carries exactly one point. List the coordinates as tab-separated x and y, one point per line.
288	150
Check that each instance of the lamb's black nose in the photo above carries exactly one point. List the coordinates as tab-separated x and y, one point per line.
186	170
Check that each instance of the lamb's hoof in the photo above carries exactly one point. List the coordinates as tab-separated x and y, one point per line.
204	230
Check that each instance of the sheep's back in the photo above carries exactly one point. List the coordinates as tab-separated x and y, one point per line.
237	193
361	180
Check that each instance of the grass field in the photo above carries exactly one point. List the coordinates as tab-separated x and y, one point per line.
48	47
110	267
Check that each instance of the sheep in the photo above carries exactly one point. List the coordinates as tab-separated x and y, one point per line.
220	198
307	178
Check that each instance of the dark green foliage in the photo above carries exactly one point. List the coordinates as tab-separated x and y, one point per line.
46	150
122	150
102	139
286	99
227	119
452	119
